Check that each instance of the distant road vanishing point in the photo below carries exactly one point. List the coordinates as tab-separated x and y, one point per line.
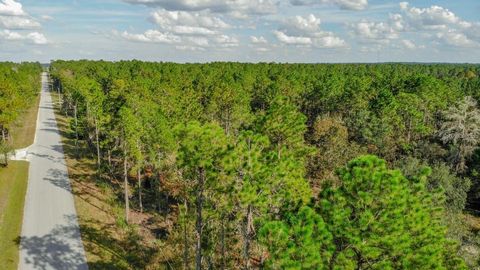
50	233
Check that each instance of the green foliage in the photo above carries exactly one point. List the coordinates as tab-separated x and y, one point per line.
329	135
285	126
302	241
248	160
201	146
451	189
259	140
381	220
448	191
202	149
19	84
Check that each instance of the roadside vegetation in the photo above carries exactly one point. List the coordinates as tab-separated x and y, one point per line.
108	241
13	186
23	130
19	88
280	166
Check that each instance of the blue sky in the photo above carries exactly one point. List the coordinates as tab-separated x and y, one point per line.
241	30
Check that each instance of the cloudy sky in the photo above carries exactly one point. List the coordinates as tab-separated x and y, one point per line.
241	30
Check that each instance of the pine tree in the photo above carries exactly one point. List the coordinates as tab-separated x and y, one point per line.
462	128
381	220
301	241
200	155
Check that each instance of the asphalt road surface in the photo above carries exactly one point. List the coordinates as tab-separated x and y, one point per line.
50	232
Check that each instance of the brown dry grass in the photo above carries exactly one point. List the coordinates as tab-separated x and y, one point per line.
473	222
109	242
23	132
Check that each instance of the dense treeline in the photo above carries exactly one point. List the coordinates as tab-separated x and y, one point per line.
243	159
19	83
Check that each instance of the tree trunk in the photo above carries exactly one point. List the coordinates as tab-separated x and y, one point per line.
4	141
109	153
209	262
76	127
125	173
409	133
247	233
97	142
461	162
185	237
139	178
157	192
222	243
199	222
59	95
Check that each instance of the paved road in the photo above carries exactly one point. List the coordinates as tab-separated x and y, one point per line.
50	233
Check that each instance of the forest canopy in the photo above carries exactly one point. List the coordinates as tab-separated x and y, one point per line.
287	166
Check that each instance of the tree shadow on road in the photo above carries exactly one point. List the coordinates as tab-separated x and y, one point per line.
55	250
59	178
50	124
49	157
53	130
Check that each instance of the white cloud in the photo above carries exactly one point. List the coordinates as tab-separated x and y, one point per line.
292	40
34	37
258	40
437	24
193	29
226	41
9	35
329	42
308	24
260	44
11	8
352	4
374	32
188	23
152	36
434	17
199	41
448	28
262	49
408	44
369	49
397	22
403	5
238	8
189	42
472	30
13	17
344	4
37	38
457	39
18	22
47	18
189	48
306	31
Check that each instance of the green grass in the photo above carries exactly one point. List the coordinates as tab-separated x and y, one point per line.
13	186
